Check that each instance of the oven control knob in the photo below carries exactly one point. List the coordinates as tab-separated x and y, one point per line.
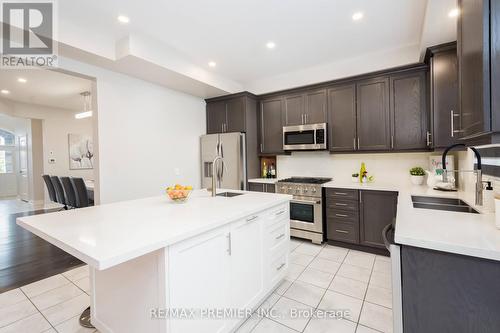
314	190
290	188
305	190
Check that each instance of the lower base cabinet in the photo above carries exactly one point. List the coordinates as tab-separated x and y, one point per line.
232	267
445	292
261	187
359	216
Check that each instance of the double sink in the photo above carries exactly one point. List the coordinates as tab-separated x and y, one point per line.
447	204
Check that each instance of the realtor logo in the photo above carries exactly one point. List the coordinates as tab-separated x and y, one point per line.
28	34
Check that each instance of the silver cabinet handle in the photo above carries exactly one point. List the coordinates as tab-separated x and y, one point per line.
358	142
222	128
451	122
428	136
340	204
341	215
305	117
261	147
280	236
354	143
302	119
342	231
392	141
280	266
340	193
253	218
229	246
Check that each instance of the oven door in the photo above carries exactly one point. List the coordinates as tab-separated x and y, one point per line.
306	214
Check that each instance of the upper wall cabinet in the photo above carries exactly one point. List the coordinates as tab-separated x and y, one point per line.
444	95
409	120
271	125
373	117
305	108
479	72
342	117
226	115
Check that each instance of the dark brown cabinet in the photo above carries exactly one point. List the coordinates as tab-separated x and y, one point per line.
409	121
444	95
376	210
473	51
373	118
305	108
358	217
294	110
261	187
342	117
271	126
226	115
478	46
216	117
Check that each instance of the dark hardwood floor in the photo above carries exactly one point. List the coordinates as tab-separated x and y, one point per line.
26	258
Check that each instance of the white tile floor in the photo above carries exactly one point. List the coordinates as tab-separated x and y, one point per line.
49	305
330	278
320	278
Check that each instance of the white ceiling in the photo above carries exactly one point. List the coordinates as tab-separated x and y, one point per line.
44	87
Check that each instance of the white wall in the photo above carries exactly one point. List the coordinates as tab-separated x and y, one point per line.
385	167
362	64
147	135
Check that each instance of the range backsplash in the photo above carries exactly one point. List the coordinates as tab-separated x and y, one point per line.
385	167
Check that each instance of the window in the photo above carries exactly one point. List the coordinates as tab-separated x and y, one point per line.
7	147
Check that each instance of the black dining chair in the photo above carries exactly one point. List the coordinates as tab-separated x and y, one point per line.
50	188
60	198
82	196
70	192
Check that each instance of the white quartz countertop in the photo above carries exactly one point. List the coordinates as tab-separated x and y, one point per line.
461	233
263	180
107	235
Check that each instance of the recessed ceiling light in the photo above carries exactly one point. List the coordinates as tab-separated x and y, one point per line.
123	19
212	63
357	16
22	80
4	91
454	12
82	115
270	45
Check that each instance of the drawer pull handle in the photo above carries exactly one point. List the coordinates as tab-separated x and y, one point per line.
280	266
340	193
250	219
340	204
342	231
280	236
341	215
280	212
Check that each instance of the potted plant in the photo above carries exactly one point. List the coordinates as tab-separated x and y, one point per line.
417	175
355	177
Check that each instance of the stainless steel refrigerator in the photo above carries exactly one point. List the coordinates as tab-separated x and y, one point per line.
232	147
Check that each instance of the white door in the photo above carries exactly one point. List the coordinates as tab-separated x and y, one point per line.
199	279
247	280
23	177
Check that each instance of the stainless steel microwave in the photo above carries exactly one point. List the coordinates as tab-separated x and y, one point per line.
305	137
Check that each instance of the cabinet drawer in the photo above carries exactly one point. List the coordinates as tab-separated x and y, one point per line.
348	205
278	213
342	193
345	216
279	234
345	232
278	268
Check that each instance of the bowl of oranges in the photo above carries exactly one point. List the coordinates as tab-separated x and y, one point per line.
179	193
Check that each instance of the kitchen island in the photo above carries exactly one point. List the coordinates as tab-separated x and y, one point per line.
159	266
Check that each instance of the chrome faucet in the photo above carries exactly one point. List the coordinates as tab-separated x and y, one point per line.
478	172
215	173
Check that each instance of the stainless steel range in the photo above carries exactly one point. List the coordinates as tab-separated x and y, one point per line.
306	207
